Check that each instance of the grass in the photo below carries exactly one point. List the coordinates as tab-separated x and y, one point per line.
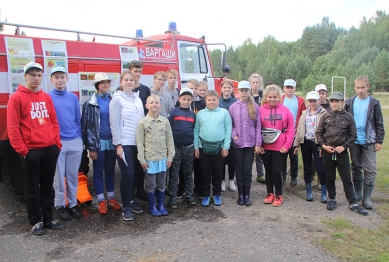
353	243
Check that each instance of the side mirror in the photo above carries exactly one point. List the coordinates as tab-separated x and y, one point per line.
226	69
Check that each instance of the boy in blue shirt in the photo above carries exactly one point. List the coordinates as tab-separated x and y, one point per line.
182	121
212	138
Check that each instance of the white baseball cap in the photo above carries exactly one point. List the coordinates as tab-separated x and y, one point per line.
320	87
186	91
100	77
290	82
244	84
60	69
32	65
313	95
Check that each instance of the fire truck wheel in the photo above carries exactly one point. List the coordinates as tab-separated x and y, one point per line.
12	173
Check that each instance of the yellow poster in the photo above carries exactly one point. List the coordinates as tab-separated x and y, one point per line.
16	63
19	46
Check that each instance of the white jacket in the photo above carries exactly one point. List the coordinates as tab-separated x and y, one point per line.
125	111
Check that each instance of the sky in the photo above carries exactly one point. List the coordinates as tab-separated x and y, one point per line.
229	22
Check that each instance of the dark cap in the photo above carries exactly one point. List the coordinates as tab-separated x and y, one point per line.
337	96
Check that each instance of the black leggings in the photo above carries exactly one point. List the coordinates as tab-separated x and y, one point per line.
273	161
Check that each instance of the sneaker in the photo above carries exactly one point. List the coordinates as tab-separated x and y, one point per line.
223	186
102	209
293	181
54	224
172	203
127	214
190	200
217	200
278	201
231	186
76	212
37	229
357	208
269	198
205	201
181	193
135	208
63	214
112	203
261	179
331	205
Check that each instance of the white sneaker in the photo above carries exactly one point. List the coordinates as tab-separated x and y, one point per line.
223	186
231	185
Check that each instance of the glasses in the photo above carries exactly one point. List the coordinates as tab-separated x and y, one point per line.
161	79
289	87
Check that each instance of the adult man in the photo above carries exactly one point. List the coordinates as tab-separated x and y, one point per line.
324	102
370	136
296	105
34	133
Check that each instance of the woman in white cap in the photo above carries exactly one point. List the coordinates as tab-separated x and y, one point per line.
97	136
305	137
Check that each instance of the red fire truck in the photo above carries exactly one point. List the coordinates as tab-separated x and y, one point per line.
171	50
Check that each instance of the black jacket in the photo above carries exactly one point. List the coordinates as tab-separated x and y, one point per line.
375	132
182	121
90	123
336	128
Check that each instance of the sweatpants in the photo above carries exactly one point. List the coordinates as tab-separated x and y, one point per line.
105	162
230	162
244	158
310	153
211	170
363	157
183	159
127	181
155	181
39	169
273	161
68	163
342	163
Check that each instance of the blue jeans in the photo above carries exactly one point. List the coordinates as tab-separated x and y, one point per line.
105	162
127	182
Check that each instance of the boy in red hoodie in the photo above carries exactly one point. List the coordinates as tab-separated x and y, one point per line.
34	133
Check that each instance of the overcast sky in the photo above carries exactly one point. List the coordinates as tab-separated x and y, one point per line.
230	22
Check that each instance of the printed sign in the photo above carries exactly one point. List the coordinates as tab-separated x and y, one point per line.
157	54
19	46
16	63
54	48
51	62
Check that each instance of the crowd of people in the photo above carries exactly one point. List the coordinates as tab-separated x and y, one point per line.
175	143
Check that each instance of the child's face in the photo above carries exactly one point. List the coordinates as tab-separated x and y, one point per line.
137	72
361	87
322	95
272	99
153	105
244	94
194	88
171	80
202	91
159	82
211	102
185	101
336	105
254	84
127	83
59	80
227	89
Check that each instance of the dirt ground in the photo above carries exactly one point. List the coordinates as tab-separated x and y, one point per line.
227	233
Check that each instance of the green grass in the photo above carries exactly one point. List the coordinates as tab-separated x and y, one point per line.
353	243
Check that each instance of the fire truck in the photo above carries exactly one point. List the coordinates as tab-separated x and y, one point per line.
82	59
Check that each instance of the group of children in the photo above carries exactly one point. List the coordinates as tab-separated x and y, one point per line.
190	135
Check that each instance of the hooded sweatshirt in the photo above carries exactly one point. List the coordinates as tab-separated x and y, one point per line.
31	121
279	118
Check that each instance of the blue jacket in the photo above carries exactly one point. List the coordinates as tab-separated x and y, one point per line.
182	121
226	103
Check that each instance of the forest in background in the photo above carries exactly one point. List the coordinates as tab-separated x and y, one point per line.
323	51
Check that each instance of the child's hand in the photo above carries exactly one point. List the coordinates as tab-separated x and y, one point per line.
168	164
283	150
257	150
93	154
339	149
329	149
224	153
145	166
296	150
197	153
119	151
377	147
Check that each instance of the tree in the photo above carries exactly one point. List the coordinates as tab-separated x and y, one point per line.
1	25
381	68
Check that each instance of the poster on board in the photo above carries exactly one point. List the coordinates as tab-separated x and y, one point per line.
55	54
127	54
19	46
86	87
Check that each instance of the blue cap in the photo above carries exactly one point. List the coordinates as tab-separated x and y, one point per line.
244	84
290	82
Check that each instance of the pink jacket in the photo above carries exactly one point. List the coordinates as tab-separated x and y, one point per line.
279	118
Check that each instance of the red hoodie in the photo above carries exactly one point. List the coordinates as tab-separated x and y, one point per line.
31	121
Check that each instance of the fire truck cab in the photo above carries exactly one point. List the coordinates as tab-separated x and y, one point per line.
171	50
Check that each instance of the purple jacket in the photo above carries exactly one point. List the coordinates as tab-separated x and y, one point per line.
247	130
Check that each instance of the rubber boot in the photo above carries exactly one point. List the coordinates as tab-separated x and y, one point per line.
247	200
152	209
358	186
160	202
308	186
240	195
324	193
366	200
